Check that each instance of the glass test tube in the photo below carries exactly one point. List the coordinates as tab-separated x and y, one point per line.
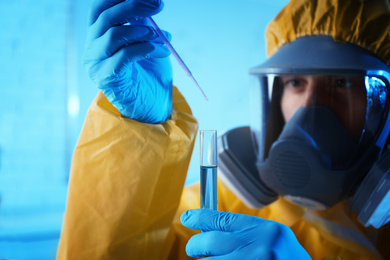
208	169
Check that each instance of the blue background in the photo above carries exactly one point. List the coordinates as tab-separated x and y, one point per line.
46	92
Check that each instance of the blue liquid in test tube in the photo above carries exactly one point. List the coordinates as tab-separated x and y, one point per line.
208	169
208	187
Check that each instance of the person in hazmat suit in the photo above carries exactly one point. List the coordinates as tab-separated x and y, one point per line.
309	178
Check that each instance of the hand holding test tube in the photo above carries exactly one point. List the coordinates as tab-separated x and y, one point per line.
208	169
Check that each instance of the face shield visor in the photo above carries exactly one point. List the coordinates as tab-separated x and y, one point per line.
319	119
347	109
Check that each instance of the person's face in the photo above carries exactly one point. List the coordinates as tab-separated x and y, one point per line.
344	96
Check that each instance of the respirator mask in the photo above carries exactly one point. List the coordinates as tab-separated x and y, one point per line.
318	131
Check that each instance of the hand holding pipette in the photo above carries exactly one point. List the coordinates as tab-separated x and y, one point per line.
128	61
174	53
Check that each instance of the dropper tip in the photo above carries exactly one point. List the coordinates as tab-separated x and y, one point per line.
201	90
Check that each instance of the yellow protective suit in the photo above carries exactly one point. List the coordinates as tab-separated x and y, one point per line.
126	184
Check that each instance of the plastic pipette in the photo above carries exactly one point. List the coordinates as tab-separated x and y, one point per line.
174	53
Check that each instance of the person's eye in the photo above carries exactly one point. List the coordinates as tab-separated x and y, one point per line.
343	83
293	83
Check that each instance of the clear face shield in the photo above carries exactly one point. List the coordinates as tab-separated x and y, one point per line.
322	108
313	133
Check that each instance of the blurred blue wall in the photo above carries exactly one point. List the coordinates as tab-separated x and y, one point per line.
46	93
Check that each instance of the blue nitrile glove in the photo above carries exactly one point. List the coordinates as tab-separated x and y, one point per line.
128	60
235	236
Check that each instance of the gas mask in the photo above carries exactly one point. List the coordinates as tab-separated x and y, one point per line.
318	131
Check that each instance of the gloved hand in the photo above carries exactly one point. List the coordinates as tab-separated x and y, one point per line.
127	59
235	236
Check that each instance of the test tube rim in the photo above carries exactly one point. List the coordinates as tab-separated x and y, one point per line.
215	164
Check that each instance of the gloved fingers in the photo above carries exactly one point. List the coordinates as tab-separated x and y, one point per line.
98	6
122	13
213	243
114	65
207	220
266	255
118	37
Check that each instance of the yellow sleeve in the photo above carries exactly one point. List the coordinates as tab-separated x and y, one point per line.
125	183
